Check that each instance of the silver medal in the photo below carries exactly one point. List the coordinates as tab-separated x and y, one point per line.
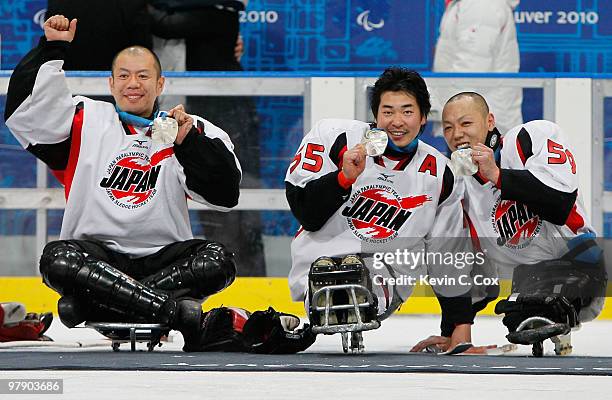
164	130
461	161
375	141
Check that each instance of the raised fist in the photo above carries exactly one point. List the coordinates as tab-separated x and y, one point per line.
59	27
354	161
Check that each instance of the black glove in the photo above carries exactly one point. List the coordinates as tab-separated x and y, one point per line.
554	307
218	332
272	332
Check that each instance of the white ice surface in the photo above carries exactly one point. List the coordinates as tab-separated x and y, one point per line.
396	335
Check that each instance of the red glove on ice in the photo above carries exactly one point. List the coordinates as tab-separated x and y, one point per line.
31	328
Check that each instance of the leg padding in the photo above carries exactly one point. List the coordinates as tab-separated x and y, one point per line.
211	269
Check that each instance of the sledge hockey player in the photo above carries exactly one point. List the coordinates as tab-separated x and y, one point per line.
521	198
353	207
126	252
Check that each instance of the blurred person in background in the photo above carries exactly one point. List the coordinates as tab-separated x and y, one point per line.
105	28
480	36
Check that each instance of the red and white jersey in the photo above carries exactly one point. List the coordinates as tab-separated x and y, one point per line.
396	200
537	166
121	188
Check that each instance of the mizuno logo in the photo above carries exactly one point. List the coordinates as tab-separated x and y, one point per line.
385	177
140	144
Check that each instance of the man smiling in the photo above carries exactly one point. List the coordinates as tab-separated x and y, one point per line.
136	80
352	206
524	212
126	252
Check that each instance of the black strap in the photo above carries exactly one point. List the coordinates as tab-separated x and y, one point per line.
578	249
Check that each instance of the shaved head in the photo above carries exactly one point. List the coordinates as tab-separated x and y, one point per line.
479	102
138	51
136	80
466	120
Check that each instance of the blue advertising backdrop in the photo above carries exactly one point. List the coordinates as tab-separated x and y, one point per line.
339	35
356	35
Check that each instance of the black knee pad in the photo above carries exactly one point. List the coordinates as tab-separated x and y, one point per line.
217	247
66	269
208	269
554	289
555	308
59	264
213	268
577	281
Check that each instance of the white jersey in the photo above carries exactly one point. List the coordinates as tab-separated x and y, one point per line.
397	202
510	231
480	36
121	188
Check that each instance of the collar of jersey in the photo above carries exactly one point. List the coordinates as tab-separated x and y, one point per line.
404	151
394	152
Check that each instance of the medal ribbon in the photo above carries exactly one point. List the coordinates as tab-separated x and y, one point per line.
135	120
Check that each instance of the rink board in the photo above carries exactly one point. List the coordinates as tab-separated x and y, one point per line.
249	293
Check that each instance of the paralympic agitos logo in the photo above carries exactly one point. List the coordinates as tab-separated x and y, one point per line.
515	224
131	178
378	213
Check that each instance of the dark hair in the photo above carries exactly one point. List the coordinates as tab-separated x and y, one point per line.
136	49
396	79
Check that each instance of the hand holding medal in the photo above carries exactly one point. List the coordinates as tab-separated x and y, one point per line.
375	141
164	129
461	161
172	127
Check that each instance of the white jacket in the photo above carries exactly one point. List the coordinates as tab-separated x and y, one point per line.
480	36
